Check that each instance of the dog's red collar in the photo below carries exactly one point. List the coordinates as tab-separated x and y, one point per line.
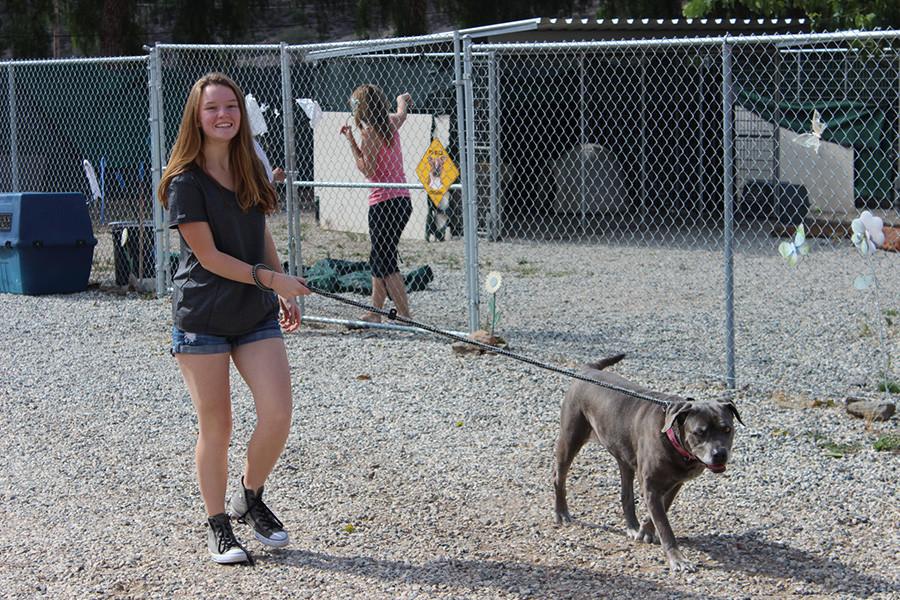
673	438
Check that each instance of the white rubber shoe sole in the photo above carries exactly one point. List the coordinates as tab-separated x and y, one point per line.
278	540
235	555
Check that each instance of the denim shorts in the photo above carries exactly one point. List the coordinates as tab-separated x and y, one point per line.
184	342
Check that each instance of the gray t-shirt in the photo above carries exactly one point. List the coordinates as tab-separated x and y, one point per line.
204	302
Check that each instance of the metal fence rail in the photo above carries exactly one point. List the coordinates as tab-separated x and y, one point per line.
684	163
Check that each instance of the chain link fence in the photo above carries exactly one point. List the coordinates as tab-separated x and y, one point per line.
708	149
634	194
59	116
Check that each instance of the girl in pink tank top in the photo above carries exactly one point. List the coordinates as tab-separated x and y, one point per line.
379	157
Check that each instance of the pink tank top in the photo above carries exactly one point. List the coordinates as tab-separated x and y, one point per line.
388	169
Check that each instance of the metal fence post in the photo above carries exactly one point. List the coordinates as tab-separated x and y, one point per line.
493	233
470	201
13	133
469	228
728	189
293	214
156	160
582	139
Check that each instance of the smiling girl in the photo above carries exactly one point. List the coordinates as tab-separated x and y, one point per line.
228	292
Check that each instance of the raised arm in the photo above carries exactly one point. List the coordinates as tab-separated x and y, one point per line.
404	103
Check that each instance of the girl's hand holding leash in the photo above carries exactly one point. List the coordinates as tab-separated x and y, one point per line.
288	288
289	316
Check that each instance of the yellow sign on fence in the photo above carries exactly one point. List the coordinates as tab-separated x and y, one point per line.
436	171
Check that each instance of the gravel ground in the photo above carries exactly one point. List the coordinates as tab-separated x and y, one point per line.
412	472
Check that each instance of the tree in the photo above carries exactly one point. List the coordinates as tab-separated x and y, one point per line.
651	9
823	14
474	13
27	27
104	26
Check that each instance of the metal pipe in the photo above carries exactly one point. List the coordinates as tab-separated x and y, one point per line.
156	161
13	133
287	110
791	39
493	229
582	126
367	184
728	189
470	204
463	170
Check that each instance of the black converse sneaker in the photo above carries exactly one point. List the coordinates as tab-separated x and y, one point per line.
247	507
223	546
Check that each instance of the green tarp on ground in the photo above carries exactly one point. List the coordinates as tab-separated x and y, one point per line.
850	124
344	276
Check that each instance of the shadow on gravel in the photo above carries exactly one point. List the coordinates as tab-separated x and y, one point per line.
751	553
526	580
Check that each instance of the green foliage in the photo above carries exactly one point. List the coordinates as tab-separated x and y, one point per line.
652	9
493	316
474	13
887	443
823	14
26	30
114	33
834	449
888	385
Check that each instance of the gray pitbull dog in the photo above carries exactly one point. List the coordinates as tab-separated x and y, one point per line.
665	447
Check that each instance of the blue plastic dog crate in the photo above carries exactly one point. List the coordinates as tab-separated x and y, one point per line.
46	243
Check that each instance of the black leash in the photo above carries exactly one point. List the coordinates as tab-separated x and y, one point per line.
392	314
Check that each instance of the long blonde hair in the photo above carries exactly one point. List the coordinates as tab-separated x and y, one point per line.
251	183
372	109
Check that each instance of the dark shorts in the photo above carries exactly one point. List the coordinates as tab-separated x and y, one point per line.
184	342
386	222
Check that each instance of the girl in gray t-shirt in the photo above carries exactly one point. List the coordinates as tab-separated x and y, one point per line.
229	291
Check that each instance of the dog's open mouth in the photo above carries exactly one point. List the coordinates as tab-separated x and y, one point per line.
716	468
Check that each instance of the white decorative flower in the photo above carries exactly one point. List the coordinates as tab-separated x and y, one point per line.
792	251
867	232
124	239
493	282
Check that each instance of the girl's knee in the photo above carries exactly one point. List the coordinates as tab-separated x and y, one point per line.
215	436
276	418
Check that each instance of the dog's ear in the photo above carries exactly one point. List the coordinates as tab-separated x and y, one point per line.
673	411
730	406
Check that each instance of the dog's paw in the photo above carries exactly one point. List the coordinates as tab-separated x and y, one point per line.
678	564
641	535
563	517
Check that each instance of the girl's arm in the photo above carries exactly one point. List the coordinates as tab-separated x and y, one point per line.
404	101
364	154
199	237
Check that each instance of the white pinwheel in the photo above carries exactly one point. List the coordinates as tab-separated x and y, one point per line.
793	250
868	232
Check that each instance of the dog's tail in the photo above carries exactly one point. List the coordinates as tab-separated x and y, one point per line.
606	362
